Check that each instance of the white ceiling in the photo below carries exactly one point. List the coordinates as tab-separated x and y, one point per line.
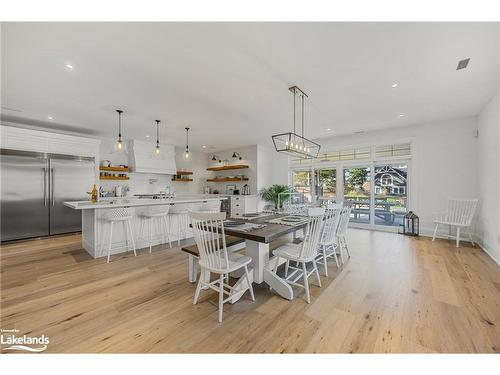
228	81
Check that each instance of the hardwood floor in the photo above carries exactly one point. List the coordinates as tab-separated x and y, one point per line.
396	294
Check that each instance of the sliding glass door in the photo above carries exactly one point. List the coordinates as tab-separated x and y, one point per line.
357	191
390	193
302	182
325	184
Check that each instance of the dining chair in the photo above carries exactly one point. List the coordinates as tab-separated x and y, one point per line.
303	253
208	228
116	216
345	215
328	246
459	213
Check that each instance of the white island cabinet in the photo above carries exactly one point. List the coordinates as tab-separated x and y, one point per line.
93	223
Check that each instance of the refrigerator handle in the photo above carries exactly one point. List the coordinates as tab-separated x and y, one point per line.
52	187
44	186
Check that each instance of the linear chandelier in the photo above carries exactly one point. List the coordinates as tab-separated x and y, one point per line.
292	143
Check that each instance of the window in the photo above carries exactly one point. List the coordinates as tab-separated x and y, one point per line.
357	186
389	202
301	182
385	151
326	182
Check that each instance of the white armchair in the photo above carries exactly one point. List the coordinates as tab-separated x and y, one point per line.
459	213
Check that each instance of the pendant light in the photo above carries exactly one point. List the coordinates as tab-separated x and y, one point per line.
119	144
292	143
187	143
157	148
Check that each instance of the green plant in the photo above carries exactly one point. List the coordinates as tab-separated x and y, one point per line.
272	194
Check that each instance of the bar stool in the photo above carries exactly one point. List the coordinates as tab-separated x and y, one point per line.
152	216
118	215
181	212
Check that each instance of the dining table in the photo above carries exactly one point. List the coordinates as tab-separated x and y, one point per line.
257	241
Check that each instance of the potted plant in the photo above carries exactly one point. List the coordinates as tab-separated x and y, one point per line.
272	194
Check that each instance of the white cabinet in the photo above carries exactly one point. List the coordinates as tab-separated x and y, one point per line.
243	204
41	141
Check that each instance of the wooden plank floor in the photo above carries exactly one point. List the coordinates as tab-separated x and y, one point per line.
396	294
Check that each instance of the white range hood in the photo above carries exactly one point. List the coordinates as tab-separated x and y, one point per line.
143	160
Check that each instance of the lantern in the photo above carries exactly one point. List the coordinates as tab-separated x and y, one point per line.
410	226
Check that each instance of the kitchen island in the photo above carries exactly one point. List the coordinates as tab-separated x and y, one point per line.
93	220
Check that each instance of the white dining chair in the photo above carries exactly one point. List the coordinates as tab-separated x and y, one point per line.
345	216
303	253
459	213
328	243
208	228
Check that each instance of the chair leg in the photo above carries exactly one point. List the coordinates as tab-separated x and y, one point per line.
306	282
221	297
341	250
317	272
179	219
198	290
435	231
110	238
346	247
165	223
150	227
125	233
129	223
325	264
287	264
335	256
249	284
458	236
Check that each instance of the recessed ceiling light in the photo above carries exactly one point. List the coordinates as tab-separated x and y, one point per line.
204	146
50	117
69	66
394	85
328	129
147	136
401	115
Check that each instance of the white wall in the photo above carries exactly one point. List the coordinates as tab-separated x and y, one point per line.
196	163
249	157
443	164
272	168
489	177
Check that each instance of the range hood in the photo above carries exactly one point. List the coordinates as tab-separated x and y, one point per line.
142	158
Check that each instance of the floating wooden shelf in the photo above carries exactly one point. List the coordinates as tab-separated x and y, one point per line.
182	179
113	178
114	169
227	167
183	173
226	179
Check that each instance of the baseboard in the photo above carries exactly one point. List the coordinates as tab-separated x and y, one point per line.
427	232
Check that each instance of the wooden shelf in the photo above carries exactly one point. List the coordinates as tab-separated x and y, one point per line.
226	179
182	179
183	173
113	178
227	167
114	169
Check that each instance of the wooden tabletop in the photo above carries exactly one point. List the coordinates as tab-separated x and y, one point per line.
267	234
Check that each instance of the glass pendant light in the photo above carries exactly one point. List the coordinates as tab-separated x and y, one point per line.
120	144
157	148
186	154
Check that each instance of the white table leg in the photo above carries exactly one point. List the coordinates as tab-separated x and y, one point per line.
192	268
262	270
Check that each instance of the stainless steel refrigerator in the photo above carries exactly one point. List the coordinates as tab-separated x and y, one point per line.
33	189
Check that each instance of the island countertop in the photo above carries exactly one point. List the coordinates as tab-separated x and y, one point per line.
140	202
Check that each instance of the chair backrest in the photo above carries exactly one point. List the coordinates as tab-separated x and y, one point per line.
331	222
117	213
313	231
461	211
345	215
208	228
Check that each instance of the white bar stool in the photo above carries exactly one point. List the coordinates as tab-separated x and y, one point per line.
118	215
158	216
181	212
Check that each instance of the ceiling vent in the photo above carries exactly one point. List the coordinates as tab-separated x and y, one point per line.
462	64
